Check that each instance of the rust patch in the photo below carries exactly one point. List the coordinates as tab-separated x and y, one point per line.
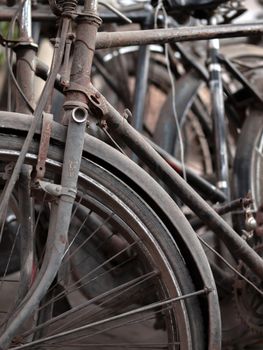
44	145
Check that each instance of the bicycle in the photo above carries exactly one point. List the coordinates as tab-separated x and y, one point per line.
141	211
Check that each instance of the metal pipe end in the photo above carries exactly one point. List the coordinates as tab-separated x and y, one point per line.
79	115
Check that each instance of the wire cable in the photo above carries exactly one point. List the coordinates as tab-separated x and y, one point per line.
160	8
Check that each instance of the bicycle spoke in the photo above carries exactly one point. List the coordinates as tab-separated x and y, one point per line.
111	319
100	300
90	237
67	292
76	235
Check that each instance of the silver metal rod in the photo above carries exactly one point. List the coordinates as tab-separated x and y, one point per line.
26	19
91	5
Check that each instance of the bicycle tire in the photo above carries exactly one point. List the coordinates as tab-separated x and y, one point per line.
190	326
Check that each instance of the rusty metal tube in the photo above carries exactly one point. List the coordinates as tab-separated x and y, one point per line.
162	36
236	245
41	13
90	5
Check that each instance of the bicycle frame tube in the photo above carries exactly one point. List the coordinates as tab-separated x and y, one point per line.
197	182
142	74
162	36
218	116
26	20
25	54
42	13
237	246
91	5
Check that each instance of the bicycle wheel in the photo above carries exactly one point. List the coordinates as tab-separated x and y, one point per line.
119	275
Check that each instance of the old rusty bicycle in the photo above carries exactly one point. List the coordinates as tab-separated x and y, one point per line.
98	266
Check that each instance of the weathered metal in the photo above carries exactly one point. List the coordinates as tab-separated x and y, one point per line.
151	36
84	49
26	232
42	13
79	96
56	241
237	204
218	117
207	189
162	36
143	66
25	55
236	245
58	54
44	144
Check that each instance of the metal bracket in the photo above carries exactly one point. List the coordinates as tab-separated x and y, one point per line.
250	221
12	43
7	42
44	144
96	101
